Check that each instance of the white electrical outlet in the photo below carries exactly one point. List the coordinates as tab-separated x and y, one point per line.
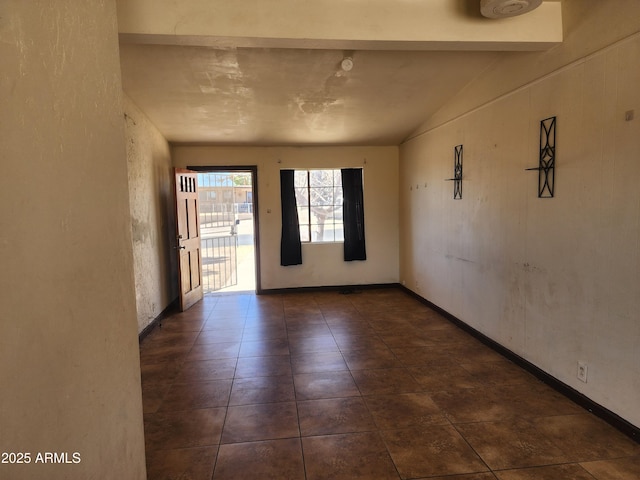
582	371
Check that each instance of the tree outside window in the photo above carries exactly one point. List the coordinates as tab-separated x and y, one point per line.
319	202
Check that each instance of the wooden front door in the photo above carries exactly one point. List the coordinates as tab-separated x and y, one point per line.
188	237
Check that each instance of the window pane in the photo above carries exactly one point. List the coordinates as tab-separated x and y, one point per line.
302	197
300	178
337	196
337	178
320	214
315	178
317	233
323	233
320	178
329	217
321	196
324	230
304	233
303	215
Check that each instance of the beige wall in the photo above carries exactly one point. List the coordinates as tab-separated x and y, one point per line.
589	25
323	264
69	365
152	214
555	280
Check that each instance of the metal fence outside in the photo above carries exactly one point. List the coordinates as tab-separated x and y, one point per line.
219	263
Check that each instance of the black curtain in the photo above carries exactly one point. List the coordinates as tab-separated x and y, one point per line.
290	247
353	214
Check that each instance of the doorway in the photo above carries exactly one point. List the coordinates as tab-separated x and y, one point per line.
228	229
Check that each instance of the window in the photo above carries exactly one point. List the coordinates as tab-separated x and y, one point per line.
319	202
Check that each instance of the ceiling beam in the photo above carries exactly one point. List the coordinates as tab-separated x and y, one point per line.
337	24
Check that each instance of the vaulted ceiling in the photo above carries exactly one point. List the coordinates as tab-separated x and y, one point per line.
270	73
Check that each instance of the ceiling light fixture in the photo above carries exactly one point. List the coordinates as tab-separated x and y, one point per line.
507	8
346	64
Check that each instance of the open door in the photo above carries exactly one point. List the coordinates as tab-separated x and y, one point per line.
188	237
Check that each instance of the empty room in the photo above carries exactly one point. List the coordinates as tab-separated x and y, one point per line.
356	239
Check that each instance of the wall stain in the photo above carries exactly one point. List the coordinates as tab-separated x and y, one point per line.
140	231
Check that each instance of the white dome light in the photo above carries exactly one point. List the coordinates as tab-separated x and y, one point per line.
507	8
347	64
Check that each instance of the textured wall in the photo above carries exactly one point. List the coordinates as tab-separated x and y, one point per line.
323	264
69	362
589	25
152	214
555	280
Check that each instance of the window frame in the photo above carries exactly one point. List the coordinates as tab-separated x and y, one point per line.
307	223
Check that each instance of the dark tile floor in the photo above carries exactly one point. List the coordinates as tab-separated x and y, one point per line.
371	385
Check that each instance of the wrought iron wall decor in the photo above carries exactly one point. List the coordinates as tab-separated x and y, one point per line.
457	172
547	163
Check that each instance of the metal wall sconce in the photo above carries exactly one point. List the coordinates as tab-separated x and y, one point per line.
547	163
457	172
